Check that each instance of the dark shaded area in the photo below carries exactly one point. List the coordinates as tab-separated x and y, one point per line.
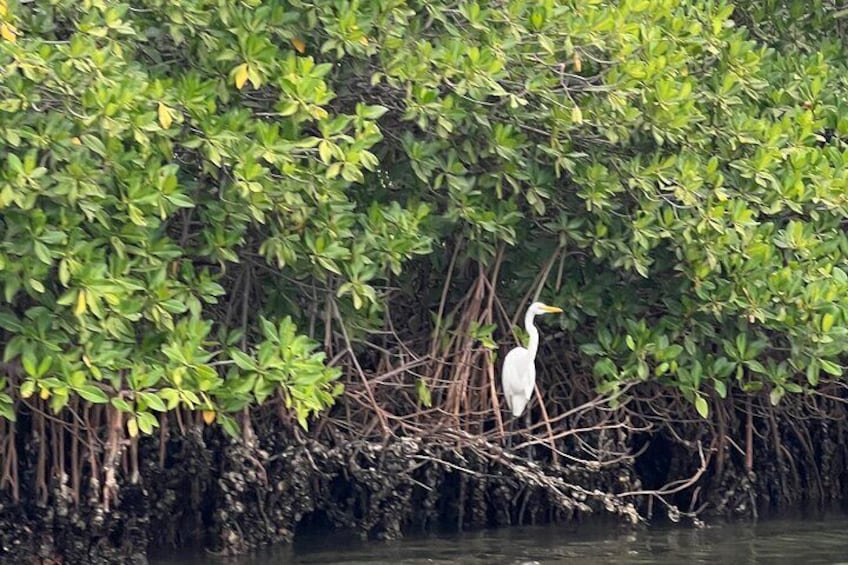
652	463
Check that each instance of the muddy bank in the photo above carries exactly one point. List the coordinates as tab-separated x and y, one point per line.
203	488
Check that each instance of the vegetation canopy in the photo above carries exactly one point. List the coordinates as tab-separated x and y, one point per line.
207	206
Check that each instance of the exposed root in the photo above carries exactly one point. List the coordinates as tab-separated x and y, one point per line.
419	440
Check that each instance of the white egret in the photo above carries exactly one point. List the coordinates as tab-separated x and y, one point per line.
519	367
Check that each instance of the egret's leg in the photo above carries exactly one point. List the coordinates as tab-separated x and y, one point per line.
528	420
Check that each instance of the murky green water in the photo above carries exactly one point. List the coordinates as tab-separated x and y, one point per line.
790	542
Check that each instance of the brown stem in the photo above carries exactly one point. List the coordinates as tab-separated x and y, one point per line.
75	457
41	466
10	461
548	427
722	433
179	414
60	435
247	427
459	382
558	284
444	297
125	462
490	371
245	308
135	475
803	435
328	327
749	437
16	483
92	456
382	417
113	452
164	434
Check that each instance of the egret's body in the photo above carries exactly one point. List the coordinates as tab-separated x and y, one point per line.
519	368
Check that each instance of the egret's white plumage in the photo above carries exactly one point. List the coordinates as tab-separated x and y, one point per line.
519	367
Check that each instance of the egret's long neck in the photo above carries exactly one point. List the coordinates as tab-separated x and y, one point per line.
533	344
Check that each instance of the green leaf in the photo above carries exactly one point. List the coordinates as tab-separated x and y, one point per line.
243	361
41	252
230	425
375	112
27	389
289	108
171	397
756	366
10	322
701	406
180	200
827	322
36	286
813	373
121	404
14	163
94	144
268	329
794	388
325	151
44	366
93	394
146	422
741	345
830	367
59	399
28	361
605	368
672	352
7	409
424	394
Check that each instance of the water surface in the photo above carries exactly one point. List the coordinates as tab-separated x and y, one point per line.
778	541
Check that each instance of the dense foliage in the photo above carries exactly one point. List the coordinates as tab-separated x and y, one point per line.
194	193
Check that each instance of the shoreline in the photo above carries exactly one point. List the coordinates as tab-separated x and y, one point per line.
232	497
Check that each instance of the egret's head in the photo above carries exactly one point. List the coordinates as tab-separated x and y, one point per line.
540	308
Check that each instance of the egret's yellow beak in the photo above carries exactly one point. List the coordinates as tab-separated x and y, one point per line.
552	309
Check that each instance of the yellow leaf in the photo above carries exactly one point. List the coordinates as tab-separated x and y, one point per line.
319	113
827	322
241	75
132	427
299	45
80	307
165	118
76	141
45	394
577	115
578	65
208	416
363	40
325	151
87	360
7	32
